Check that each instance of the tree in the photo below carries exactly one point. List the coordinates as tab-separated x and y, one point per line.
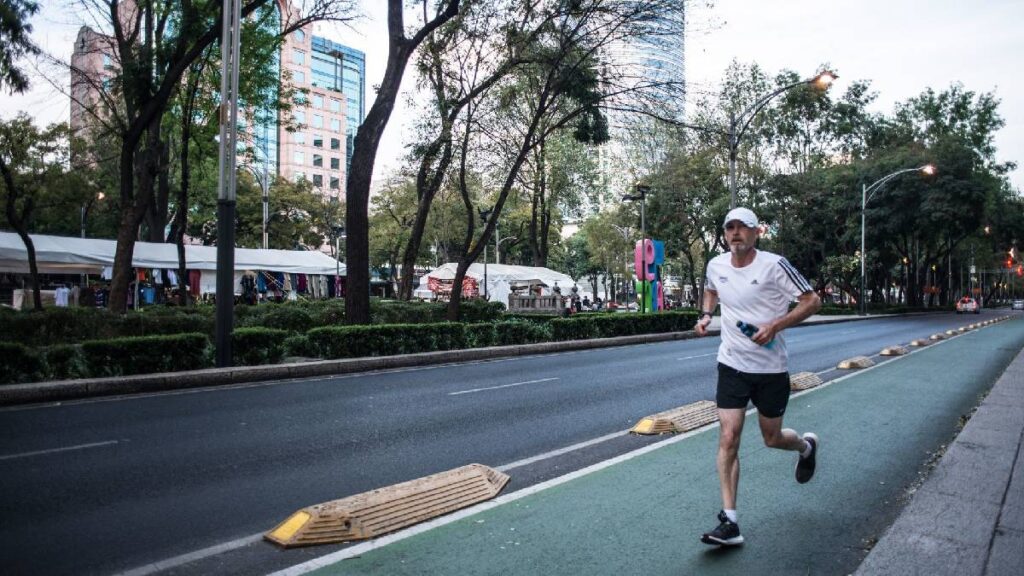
15	43
30	161
357	191
154	44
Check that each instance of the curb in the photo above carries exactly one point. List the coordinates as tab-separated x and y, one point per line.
62	390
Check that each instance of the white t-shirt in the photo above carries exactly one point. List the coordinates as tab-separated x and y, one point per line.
757	294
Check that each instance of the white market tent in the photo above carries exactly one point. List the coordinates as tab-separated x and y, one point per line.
500	279
63	255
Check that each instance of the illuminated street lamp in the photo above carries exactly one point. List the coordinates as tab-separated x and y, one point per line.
738	124
928	169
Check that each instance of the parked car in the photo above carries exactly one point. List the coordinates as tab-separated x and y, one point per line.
967	304
1018	304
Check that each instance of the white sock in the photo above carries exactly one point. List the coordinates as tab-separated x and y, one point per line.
731	515
807	451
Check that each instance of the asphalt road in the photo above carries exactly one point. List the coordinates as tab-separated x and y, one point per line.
107	485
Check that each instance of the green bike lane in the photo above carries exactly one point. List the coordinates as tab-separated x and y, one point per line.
645	513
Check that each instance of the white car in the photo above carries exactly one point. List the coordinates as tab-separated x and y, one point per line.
966	305
1018	305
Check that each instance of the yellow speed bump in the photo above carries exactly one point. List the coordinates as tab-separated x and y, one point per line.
680	419
893	351
938	337
855	363
962	329
920	342
804	380
950	332
378	512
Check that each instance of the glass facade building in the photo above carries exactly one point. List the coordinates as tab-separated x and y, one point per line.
340	68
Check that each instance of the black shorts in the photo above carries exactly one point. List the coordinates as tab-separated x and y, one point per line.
768	392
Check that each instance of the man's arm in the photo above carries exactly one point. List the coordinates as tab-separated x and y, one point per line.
808	303
710	302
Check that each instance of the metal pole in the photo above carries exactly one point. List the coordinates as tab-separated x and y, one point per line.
486	295
497	245
266	200
863	206
230	32
643	251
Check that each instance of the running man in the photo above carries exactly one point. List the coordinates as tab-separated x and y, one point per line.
754	287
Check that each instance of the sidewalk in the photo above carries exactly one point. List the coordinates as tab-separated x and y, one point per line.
968	517
643	513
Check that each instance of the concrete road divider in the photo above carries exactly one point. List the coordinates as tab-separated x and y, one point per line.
804	380
856	363
678	420
950	332
920	342
893	351
938	337
378	512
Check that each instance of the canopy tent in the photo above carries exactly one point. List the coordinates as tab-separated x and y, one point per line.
62	255
501	279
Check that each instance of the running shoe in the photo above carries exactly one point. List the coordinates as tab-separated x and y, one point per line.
726	534
805	466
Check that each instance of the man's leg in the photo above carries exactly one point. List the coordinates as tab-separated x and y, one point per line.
775	436
731	421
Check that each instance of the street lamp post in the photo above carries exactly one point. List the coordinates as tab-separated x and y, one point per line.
864	197
85	213
738	124
641	195
263	179
484	215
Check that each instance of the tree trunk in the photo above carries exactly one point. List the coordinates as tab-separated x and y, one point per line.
427	187
17	221
357	193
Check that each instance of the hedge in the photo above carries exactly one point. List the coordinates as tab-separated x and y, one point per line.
255	346
611	325
385	340
147	354
481	335
512	333
19	364
65	361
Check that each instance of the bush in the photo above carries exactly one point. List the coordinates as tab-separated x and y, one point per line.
399	312
479	310
331	313
611	325
385	340
288	318
299	345
18	363
511	333
65	361
256	346
481	335
147	354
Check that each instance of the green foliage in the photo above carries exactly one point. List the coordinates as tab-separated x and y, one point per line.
15	42
65	361
398	312
19	363
586	326
255	346
287	318
480	335
512	333
299	345
385	340
480	310
147	354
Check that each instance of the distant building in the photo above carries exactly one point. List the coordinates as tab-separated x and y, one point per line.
325	116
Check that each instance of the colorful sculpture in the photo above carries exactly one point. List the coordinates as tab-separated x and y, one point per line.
648	256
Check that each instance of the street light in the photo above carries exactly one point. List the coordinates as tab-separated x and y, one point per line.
87	206
822	81
642	190
264	181
484	215
873	188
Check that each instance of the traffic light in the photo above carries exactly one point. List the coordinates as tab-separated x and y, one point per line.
1020	271
1009	263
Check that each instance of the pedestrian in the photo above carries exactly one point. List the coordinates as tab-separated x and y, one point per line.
754	287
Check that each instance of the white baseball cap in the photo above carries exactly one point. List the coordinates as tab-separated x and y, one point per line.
744	215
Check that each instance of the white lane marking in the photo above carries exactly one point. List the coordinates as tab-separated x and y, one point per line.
191	556
560	451
56	450
502	386
697	356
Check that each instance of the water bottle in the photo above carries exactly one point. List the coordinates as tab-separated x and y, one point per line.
749	330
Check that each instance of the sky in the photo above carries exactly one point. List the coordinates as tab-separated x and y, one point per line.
901	46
